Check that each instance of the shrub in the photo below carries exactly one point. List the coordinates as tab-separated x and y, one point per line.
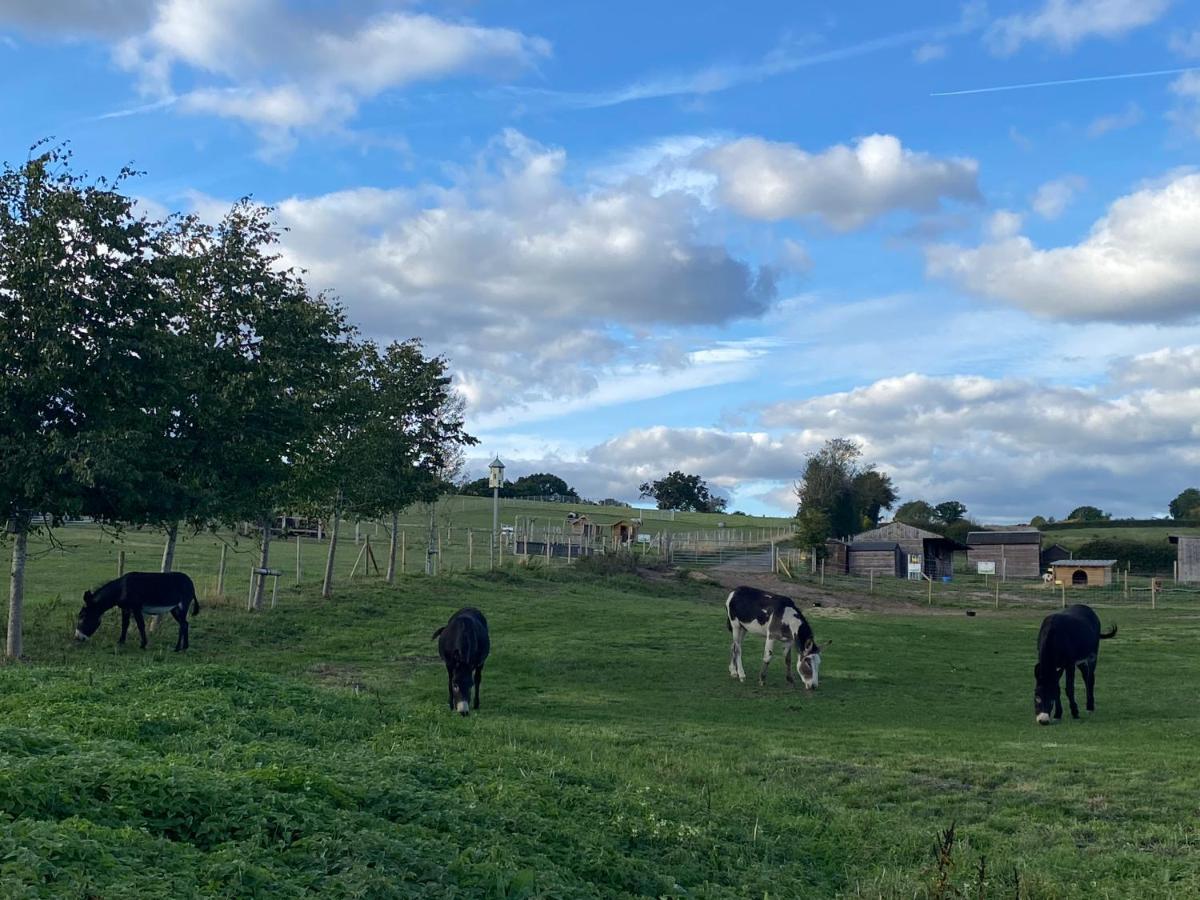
1138	556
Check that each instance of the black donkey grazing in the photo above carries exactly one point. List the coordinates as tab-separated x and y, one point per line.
140	594
463	644
1068	638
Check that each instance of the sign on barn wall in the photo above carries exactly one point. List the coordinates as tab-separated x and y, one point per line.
985	567
914	567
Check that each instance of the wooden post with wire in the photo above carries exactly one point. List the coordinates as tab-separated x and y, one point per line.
120	563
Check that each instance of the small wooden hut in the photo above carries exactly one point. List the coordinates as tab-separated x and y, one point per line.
579	526
1054	553
624	531
1083	572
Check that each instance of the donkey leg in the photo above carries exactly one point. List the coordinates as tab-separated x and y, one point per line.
787	659
738	636
1071	691
1088	668
181	643
124	626
141	624
768	652
478	681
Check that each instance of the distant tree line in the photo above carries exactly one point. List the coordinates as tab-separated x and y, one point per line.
176	374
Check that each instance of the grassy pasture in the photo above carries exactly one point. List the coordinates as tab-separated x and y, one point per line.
308	751
1072	538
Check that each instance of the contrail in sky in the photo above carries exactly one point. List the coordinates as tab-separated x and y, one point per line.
1088	80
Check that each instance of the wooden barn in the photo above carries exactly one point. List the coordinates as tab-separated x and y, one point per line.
1187	565
876	558
1015	554
1084	572
925	552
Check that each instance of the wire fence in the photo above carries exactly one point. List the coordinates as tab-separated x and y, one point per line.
965	589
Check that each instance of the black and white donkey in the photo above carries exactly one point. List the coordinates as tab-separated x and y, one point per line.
777	618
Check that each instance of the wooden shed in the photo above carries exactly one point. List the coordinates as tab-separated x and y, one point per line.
1015	554
624	531
1083	572
926	552
876	557
1187	565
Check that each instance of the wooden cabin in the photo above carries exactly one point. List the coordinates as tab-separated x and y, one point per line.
1187	565
1016	554
926	552
1083	572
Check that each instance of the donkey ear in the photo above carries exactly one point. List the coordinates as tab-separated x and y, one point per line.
1037	670
828	643
87	598
809	645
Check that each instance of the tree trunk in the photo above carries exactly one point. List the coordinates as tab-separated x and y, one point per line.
392	544
263	561
16	590
168	557
327	583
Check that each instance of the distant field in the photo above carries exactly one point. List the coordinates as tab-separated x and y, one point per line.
1072	538
308	752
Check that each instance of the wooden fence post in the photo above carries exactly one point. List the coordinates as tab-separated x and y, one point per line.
470	549
297	560
221	571
403	540
120	563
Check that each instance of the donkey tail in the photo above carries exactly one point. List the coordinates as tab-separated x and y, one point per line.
436	633
1112	632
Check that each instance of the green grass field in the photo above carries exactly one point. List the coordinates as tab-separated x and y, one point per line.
308	751
1076	537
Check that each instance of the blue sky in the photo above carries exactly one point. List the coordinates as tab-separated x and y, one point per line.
707	236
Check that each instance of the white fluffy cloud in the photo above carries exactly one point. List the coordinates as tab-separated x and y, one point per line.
1009	448
844	186
1052	199
1065	23
1140	262
531	286
279	67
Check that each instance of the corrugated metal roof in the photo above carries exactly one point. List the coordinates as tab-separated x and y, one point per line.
1078	563
993	538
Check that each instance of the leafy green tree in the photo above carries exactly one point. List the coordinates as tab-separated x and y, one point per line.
917	513
1039	522
1186	505
873	492
1087	514
410	447
480	488
543	484
686	493
849	496
81	348
950	511
276	361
